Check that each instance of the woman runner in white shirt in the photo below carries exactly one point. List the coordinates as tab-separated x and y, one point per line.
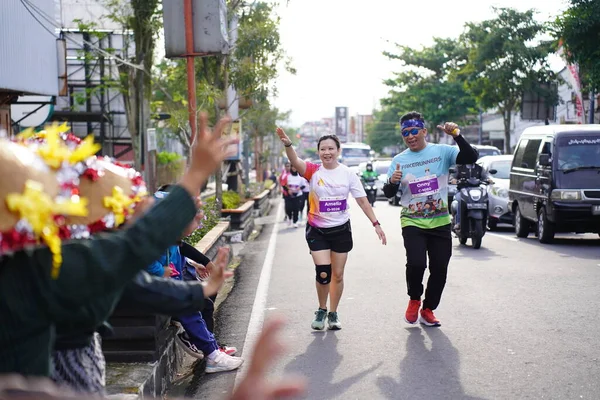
295	195
328	230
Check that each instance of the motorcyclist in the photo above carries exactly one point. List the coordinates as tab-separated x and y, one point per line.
368	173
460	179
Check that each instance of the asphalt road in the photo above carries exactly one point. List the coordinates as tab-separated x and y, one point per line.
519	319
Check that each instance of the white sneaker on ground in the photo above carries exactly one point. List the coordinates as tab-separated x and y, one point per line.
222	362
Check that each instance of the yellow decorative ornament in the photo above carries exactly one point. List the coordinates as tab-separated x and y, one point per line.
38	209
54	149
84	150
119	204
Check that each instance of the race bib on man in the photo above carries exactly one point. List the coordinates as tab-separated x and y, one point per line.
332	204
425	186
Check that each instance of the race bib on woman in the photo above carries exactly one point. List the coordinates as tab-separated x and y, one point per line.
332	204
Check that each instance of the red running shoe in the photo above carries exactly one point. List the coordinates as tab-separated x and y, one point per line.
427	318
412	311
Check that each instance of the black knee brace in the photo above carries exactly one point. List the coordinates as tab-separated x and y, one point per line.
323	269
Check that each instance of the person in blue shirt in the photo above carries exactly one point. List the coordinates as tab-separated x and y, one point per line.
420	176
196	339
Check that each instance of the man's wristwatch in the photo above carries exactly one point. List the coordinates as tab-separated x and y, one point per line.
376	223
288	145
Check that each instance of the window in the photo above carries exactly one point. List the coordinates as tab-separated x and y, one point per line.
519	153
503	168
547	148
531	152
488	152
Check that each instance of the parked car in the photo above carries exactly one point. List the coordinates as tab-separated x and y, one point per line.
485	150
381	167
555	181
498	210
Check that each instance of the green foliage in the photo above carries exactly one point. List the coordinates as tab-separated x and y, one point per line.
254	189
267	184
312	152
211	219
427	85
165	158
384	130
258	51
579	29
251	69
505	58
231	200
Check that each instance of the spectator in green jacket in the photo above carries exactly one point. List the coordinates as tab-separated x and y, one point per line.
33	299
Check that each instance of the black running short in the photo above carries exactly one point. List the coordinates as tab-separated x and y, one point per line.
337	238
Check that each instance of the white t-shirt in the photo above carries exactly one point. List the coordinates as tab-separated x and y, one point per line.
306	185
329	192
294	184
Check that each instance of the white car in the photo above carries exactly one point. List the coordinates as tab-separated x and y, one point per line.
498	209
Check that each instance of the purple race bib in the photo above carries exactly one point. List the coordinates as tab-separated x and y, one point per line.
424	186
332	204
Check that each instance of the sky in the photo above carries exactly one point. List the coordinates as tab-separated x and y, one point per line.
336	46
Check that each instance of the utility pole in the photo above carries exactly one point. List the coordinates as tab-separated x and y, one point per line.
592	106
191	70
480	137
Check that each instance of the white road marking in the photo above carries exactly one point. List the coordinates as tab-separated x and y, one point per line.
512	239
260	300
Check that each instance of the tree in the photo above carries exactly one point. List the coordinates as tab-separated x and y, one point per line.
384	130
428	85
134	83
143	18
251	69
260	122
579	29
505	59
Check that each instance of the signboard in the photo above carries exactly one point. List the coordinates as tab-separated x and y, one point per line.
341	123
536	105
32	111
236	131
151	140
209	20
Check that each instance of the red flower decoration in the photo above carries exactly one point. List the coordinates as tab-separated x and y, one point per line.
72	138
96	227
91	174
137	180
69	186
120	164
64	232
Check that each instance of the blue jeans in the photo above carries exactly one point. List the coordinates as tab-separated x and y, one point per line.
457	198
194	324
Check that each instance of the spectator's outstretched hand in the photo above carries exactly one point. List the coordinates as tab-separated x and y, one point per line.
255	385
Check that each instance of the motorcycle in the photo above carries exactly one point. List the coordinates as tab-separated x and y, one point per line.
473	211
371	189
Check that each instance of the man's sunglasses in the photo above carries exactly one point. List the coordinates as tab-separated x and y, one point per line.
413	132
